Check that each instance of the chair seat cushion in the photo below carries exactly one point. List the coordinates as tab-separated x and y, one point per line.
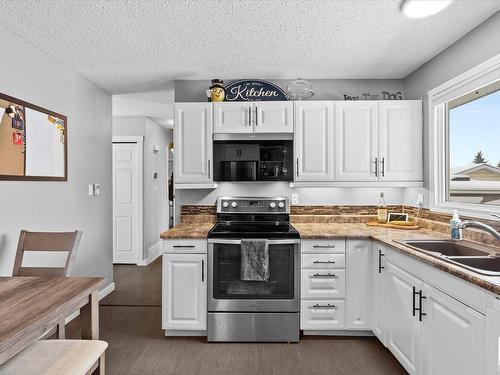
55	357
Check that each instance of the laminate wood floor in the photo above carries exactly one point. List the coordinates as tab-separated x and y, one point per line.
137	345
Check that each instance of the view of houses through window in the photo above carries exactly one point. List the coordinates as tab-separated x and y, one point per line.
474	146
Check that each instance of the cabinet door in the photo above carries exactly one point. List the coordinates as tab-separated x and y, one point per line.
400	135
403	327
380	295
184	292
233	117
358	293
273	117
313	141
453	336
356	141
193	142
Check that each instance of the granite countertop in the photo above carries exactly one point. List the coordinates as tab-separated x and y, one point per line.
362	231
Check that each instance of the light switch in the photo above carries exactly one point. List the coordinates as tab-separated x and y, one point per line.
91	189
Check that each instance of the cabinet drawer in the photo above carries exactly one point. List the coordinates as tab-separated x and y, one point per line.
323	246
322	315
188	246
323	283
323	260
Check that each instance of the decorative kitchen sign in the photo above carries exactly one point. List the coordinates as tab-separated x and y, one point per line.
256	90
367	96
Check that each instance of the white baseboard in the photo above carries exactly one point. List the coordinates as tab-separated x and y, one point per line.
102	293
154	252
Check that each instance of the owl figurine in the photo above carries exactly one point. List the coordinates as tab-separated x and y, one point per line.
217	92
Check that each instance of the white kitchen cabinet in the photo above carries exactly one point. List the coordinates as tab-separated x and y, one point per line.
273	117
313	141
233	117
356	140
453	340
253	117
358	284
403	326
379	293
184	289
193	143
400	140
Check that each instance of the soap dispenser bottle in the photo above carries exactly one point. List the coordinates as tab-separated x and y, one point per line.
456	232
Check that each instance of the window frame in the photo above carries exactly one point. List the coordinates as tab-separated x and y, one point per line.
439	170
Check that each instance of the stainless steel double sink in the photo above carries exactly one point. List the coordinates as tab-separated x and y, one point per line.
466	254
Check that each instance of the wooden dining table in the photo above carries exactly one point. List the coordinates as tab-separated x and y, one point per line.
31	306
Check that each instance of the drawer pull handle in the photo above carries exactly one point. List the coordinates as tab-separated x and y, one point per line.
330	275
188	246
328	306
321	262
324	246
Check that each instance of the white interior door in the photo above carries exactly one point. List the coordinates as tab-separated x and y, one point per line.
127	202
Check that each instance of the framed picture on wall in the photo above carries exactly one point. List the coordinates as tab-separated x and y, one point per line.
33	142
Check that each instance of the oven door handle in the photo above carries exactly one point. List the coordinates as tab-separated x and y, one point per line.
238	242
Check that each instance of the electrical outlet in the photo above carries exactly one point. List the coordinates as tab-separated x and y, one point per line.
91	190
295	198
420	200
97	189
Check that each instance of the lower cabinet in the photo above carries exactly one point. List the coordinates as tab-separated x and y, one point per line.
358	281
184	292
322	315
379	293
431	333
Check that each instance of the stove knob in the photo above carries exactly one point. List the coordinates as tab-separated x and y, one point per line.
225	204
272	204
234	205
281	205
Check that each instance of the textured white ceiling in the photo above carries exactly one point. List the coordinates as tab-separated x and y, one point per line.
134	46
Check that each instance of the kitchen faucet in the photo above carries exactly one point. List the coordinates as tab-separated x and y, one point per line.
482	226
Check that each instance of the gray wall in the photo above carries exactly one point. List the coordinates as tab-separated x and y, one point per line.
155	205
324	89
474	48
32	76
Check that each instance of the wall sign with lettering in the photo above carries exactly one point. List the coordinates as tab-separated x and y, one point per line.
367	96
241	91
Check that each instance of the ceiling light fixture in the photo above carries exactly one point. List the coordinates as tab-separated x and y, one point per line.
423	8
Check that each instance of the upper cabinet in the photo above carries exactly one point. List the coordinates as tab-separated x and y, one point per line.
313	141
253	117
193	143
400	140
356	140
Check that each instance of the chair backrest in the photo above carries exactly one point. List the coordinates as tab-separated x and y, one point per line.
47	242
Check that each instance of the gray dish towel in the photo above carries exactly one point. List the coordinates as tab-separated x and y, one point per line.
254	260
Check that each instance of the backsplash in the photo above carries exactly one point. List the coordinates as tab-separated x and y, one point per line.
350	214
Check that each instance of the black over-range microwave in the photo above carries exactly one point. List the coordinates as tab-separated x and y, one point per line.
244	157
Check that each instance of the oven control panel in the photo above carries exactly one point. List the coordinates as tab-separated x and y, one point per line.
279	205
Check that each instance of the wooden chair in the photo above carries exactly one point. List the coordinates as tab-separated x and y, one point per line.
58	357
46	241
51	242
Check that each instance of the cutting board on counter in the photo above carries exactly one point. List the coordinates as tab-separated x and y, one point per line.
408	226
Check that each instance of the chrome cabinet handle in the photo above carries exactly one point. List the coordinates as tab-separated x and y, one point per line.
297	167
376	167
329	275
327	306
202	271
383	167
324	246
249	116
327	262
256	117
184	246
208	168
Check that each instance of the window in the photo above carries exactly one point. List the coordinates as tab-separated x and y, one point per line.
473	149
464	118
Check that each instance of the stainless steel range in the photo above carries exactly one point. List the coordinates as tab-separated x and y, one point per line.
264	310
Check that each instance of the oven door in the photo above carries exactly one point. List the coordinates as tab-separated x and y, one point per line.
227	292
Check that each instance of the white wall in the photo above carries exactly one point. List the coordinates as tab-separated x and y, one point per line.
474	48
60	206
155	209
